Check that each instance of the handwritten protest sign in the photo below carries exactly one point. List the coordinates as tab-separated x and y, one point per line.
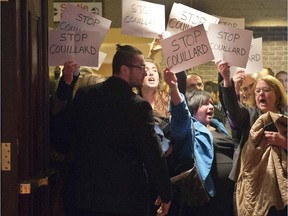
230	44
232	22
255	59
187	49
102	57
142	19
77	46
78	19
183	17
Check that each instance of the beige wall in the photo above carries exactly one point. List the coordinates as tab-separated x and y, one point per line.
256	12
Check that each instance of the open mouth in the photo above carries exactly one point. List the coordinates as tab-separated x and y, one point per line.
262	101
210	114
151	80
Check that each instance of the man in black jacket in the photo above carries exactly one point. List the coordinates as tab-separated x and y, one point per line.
116	148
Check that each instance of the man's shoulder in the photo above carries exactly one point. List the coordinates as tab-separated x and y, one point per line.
138	100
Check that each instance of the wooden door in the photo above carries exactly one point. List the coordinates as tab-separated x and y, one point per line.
24	108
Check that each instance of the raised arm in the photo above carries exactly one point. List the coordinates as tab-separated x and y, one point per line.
64	91
171	81
238	114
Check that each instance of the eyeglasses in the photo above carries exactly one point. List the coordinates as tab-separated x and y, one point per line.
245	89
194	85
266	90
141	67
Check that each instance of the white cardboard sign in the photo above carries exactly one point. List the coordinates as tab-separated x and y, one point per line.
79	47
78	19
142	19
183	17
255	59
232	22
186	49
230	44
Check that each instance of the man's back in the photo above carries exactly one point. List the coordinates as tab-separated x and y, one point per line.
112	138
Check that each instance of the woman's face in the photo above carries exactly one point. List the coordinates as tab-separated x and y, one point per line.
205	112
246	92
265	97
152	78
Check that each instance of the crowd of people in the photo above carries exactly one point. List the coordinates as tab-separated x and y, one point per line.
119	140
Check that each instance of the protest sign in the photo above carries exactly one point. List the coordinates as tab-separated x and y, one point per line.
78	19
230	44
102	57
255	59
183	17
142	19
232	22
78	46
186	49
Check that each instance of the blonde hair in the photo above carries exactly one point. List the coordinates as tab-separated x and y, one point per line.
87	79
161	103
274	83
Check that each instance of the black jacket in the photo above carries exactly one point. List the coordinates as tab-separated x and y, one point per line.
116	148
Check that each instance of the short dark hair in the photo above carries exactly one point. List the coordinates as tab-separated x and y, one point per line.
124	55
196	98
210	86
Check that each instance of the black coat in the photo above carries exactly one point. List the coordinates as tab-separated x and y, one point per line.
116	148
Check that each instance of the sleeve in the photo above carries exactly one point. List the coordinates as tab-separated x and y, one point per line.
64	91
181	78
238	114
180	119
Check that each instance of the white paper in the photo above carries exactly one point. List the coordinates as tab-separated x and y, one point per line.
186	49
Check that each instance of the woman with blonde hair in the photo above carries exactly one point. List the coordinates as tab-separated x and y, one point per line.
264	127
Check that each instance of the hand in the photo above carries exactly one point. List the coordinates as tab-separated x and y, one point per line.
276	139
224	70
238	78
164	207
170	78
155	47
68	70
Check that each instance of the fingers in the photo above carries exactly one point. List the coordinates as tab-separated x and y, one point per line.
163	209
69	67
158	201
169	76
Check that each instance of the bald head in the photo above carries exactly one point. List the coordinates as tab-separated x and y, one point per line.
194	81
